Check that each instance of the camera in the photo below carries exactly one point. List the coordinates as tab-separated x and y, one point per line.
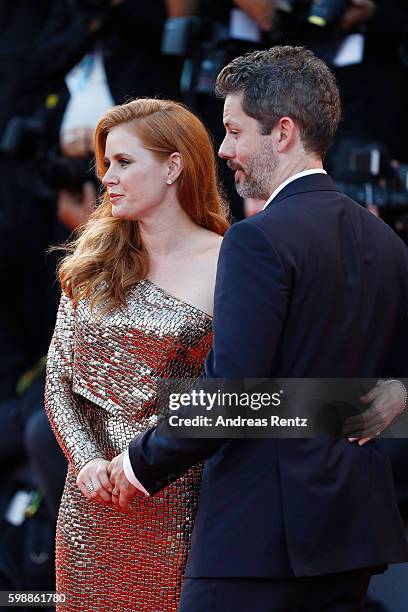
22	135
204	42
65	173
180	33
25	139
317	12
207	47
365	172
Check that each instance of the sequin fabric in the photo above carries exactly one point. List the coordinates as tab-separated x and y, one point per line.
101	391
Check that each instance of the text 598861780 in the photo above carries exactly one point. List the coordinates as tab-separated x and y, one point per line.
31	598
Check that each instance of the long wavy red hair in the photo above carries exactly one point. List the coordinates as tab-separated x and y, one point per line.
108	257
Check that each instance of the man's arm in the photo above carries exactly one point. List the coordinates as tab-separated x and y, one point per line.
251	298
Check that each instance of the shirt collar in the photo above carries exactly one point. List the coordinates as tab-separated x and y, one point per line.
290	179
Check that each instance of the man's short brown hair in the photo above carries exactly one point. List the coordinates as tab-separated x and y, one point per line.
286	81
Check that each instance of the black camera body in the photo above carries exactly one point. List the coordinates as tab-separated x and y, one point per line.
207	46
317	12
181	32
22	135
24	138
61	172
365	172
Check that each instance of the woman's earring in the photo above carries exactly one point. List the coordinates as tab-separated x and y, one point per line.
169	181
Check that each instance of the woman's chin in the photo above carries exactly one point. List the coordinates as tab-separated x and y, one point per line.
124	215
117	213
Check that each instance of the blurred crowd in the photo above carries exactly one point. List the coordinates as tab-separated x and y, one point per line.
63	63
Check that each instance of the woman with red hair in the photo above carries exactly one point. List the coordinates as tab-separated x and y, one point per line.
138	287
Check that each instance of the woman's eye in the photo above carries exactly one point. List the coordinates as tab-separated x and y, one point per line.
123	162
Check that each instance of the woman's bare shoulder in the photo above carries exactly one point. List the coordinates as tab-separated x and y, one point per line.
210	243
201	269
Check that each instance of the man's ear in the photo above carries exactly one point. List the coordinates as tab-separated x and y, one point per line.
285	133
174	166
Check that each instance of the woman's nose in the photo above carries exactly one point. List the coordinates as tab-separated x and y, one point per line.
109	178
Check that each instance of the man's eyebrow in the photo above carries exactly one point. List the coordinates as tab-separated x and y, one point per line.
230	123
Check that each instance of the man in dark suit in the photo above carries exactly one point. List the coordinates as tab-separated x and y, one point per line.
313	286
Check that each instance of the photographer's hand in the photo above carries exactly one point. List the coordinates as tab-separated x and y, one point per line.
260	11
357	13
76	142
74	208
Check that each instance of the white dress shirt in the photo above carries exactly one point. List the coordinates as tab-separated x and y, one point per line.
127	466
293	178
130	475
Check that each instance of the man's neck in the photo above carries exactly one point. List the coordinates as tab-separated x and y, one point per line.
289	180
293	168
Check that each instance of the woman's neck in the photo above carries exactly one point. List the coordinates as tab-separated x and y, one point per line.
168	231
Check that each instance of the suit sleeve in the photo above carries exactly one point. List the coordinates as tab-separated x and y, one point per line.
251	301
63	407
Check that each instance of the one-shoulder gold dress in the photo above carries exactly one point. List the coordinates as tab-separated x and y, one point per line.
101	391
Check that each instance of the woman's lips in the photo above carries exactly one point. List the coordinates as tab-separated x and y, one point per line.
114	197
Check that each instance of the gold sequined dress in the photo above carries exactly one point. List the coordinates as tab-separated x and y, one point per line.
101	391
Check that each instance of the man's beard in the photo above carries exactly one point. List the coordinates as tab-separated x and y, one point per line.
257	178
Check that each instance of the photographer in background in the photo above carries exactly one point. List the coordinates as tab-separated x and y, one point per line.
19	20
206	35
76	59
114	47
365	43
370	156
117	67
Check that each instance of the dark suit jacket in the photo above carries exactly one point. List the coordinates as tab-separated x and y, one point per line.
314	286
